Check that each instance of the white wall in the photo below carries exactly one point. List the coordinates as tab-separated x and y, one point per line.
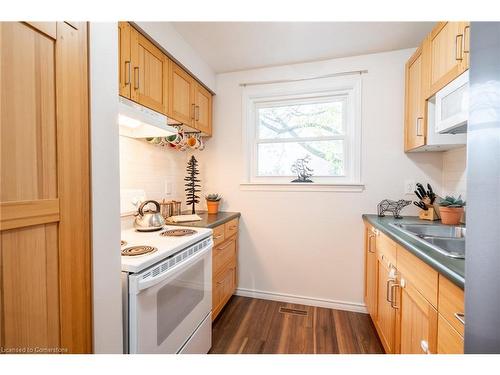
106	264
310	244
166	35
455	172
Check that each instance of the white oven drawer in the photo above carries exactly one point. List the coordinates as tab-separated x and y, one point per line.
201	341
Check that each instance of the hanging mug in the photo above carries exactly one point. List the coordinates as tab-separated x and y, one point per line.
192	142
176	138
201	146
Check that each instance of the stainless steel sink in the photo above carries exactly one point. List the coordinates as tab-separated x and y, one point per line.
447	240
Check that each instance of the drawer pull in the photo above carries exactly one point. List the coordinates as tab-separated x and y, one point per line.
370	238
460	317
226	245
393	296
387	290
232	227
219	236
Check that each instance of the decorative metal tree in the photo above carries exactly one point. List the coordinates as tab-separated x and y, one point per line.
302	170
192	183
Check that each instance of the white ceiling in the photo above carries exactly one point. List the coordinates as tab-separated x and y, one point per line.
231	46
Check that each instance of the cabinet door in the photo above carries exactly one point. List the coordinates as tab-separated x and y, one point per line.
125	64
203	110
386	314
224	286
149	73
449	340
415	121
370	273
181	102
446	48
418	321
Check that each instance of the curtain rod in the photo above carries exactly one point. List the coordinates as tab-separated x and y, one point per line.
304	79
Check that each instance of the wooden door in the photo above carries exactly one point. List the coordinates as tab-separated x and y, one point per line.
203	110
417	331
449	340
149	73
386	314
223	288
181	99
446	49
125	64
370	273
45	266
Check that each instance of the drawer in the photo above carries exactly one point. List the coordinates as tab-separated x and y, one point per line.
222	254
386	248
422	276
449	340
231	227
224	285
218	234
451	302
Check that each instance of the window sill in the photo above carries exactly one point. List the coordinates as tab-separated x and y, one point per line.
317	187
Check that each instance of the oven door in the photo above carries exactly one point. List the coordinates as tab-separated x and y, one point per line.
167	309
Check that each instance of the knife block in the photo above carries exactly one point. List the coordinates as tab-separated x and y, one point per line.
431	214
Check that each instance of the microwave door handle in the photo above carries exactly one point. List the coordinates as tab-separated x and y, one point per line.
141	285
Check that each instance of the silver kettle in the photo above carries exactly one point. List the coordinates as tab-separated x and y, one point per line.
148	220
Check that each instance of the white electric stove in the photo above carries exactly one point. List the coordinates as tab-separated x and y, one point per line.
167	290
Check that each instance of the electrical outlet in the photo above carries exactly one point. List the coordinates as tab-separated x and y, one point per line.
409	187
168	187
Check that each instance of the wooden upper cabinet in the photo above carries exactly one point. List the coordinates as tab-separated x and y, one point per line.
149	73
125	65
449	46
182	95
370	272
417	91
417	332
203	110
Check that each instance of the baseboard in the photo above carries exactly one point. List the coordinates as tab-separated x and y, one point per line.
309	301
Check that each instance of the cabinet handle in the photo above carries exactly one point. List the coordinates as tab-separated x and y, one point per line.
226	245
466	38
127	80
219	236
387	290
232	227
460	317
418	126
425	346
197	113
370	238
137	82
393	298
193	111
458	57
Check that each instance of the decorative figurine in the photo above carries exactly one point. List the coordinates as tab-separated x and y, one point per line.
192	183
392	206
302	170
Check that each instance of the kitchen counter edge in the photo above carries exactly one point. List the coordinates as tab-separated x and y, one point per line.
209	220
452	269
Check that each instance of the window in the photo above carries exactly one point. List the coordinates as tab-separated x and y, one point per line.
317	121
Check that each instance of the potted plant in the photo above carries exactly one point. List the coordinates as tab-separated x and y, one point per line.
213	201
451	210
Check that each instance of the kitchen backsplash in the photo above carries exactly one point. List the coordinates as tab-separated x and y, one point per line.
151	168
454	172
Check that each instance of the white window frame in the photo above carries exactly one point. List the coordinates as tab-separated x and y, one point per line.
316	90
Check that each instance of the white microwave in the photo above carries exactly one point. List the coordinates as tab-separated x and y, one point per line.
452	106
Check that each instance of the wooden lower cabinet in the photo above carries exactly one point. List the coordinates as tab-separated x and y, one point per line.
224	265
401	296
417	329
386	313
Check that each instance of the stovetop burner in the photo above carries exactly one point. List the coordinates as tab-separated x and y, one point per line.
138	250
178	232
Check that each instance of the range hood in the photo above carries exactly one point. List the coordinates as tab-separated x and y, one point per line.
137	121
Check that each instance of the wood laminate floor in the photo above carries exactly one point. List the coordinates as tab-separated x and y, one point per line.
252	326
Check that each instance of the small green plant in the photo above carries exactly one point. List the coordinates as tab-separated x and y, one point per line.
214	197
452	202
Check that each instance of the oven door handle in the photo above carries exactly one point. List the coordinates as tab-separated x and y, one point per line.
144	284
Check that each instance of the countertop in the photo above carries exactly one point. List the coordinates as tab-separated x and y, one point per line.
208	220
452	269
